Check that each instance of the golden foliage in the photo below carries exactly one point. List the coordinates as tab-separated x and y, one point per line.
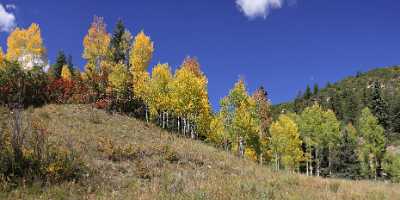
66	73
96	44
141	53
25	41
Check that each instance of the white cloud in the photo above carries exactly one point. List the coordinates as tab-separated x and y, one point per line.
11	6
258	8
7	19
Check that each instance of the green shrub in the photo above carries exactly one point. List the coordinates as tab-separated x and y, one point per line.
391	167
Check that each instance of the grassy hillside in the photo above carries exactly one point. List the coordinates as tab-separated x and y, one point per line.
130	160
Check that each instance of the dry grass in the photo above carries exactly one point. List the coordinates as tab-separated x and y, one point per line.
131	160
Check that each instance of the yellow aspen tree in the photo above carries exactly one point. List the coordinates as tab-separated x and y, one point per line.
217	134
140	57
285	143
118	79
190	100
142	52
95	44
245	127
240	119
66	73
193	65
26	46
159	100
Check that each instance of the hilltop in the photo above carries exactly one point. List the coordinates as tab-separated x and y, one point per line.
129	159
350	95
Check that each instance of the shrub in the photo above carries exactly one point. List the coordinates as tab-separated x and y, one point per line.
391	166
22	87
118	152
27	155
61	90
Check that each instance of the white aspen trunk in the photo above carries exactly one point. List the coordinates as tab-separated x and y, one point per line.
376	169
147	115
329	161
167	121
277	162
163	125
311	168
184	126
179	124
307	168
192	131
318	163
241	147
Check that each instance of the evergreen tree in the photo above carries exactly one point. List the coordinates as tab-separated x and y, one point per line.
70	64
120	44
61	60
345	161
308	93
316	89
350	106
379	107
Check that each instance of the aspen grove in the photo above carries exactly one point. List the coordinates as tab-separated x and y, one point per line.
117	77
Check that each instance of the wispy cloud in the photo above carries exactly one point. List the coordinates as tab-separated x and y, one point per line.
11	6
7	18
258	8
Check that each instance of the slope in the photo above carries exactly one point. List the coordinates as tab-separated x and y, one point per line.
132	160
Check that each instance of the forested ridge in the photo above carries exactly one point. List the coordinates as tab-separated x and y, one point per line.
345	130
378	89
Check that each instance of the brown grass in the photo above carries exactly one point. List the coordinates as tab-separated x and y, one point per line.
144	162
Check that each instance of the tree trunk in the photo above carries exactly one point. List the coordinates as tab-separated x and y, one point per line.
167	121
192	132
184	126
376	169
179	124
318	162
307	168
147	115
329	161
277	167
163	120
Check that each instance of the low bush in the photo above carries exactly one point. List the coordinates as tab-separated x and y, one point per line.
27	155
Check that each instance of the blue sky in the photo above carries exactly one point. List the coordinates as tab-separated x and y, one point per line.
282	45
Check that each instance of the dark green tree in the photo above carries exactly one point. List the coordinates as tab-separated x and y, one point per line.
350	105
316	89
345	161
61	60
118	53
379	107
307	93
70	64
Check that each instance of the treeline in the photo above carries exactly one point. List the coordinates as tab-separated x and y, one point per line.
313	141
378	90
116	78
